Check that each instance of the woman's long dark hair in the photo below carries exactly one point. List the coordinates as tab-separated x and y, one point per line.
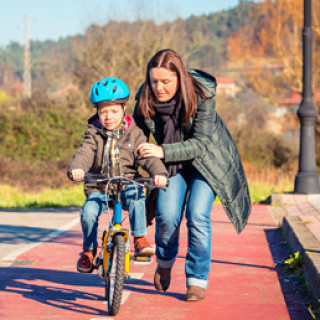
189	87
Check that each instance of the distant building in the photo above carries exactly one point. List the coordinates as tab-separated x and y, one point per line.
227	86
291	126
293	102
274	67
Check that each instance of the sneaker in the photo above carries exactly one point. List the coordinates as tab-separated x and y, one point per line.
142	247
85	262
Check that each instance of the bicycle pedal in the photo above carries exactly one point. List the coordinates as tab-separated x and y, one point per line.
97	262
142	258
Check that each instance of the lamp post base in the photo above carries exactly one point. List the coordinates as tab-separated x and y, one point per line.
307	183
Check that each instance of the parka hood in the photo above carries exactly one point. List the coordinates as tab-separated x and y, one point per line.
206	79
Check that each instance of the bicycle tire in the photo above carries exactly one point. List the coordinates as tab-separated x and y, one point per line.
114	281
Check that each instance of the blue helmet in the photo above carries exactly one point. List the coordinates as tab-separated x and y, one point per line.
109	90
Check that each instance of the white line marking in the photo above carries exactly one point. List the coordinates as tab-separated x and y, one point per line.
11	257
125	295
135	276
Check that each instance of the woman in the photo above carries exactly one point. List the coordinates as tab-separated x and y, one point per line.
177	106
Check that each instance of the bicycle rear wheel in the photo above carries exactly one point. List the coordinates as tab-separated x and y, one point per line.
114	282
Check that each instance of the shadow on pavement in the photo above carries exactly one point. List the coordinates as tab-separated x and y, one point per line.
249	265
64	289
23	235
243	264
248	224
294	291
153	291
34	284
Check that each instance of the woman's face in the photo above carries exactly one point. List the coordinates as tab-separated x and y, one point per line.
164	83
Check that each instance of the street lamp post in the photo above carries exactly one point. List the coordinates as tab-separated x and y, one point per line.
307	180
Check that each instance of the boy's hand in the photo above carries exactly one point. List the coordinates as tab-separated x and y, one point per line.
160	181
77	174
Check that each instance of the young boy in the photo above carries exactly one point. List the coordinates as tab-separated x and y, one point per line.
110	148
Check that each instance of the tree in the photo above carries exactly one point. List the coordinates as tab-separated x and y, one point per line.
275	40
120	50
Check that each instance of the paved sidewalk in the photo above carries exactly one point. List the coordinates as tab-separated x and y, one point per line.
299	216
22	230
243	284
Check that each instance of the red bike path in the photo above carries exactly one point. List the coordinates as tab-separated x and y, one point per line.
243	283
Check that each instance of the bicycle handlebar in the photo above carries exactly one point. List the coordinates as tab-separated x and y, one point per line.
141	181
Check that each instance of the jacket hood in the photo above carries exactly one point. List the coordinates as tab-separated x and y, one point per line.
206	79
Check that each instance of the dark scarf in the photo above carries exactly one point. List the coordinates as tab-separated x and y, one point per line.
170	116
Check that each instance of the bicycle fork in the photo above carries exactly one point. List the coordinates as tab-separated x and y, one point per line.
103	262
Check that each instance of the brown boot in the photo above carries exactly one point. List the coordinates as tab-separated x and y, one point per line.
195	293
162	279
85	262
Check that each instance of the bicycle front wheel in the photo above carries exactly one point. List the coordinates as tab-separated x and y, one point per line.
114	282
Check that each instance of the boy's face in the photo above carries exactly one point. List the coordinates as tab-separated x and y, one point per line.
110	115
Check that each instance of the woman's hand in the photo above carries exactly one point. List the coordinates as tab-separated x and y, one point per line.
160	181
148	150
77	174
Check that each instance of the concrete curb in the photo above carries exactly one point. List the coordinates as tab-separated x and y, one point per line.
301	239
299	217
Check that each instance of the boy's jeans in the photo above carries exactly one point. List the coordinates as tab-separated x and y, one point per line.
96	204
169	212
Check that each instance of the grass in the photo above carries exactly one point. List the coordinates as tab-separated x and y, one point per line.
294	264
14	198
260	192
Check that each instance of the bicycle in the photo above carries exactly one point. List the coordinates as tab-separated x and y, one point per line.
113	260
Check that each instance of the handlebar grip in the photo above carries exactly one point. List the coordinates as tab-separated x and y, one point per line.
76	181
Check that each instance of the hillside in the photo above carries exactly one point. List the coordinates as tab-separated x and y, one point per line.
40	134
203	42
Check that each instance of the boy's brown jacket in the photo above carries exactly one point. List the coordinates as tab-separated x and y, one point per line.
89	157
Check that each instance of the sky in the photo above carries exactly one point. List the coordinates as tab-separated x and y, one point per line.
61	18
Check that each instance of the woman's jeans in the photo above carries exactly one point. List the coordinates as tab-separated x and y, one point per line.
96	204
169	212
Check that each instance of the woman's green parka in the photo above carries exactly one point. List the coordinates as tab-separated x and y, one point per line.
207	144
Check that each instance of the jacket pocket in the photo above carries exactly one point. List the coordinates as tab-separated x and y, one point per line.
127	154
